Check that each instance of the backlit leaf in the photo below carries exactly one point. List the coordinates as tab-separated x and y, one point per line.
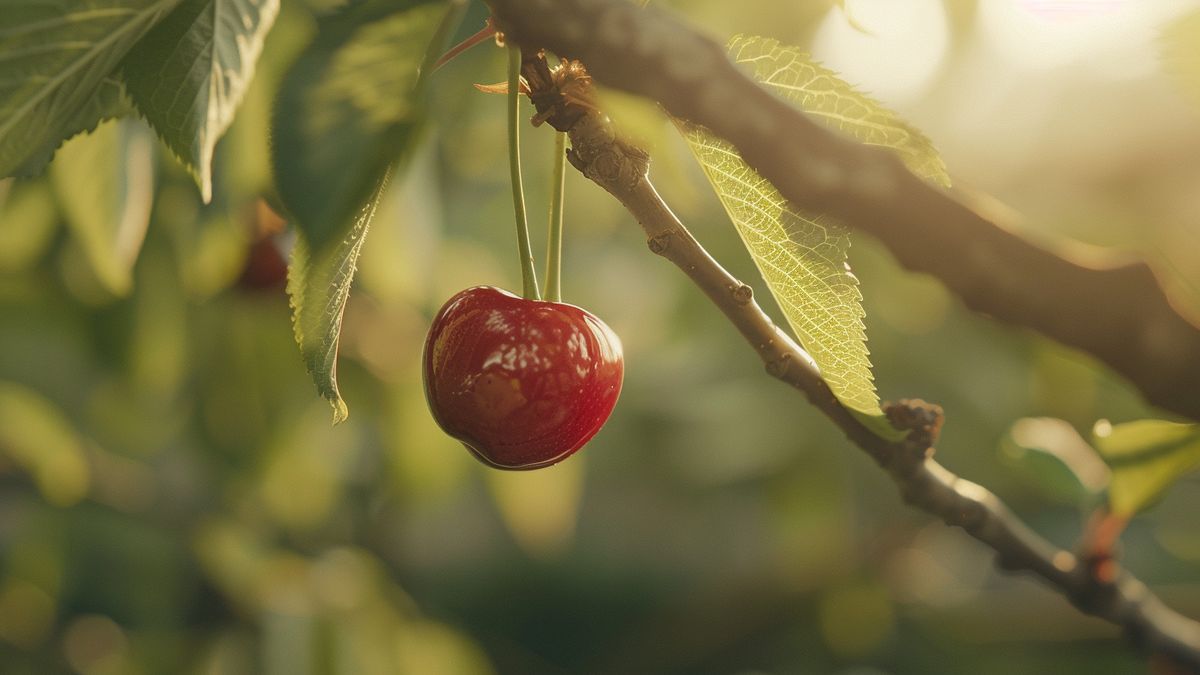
1146	458
347	112
802	256
318	287
54	74
187	76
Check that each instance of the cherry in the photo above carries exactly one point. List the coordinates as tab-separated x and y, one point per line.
265	268
522	383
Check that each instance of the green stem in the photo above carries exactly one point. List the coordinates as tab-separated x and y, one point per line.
554	241
528	274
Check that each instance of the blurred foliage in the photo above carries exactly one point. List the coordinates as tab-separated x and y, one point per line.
1146	456
1053	456
173	498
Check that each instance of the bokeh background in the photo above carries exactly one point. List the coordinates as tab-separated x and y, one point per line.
173	498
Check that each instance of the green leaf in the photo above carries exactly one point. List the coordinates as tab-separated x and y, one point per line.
109	102
105	184
55	67
1146	457
880	425
1053	456
347	110
318	287
188	75
36	435
792	74
802	256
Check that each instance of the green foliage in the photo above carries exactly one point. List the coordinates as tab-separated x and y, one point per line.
1051	454
188	75
318	286
802	256
1146	458
28	221
35	434
104	182
54	74
174	499
347	110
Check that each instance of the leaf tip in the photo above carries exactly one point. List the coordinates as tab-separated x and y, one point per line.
204	179
340	412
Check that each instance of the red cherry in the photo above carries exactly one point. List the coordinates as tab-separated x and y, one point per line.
522	383
265	268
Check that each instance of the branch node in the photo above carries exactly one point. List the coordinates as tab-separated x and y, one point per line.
660	243
742	293
777	368
921	419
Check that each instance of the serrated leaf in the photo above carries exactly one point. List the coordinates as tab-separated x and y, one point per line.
880	425
36	434
794	76
318	287
803	260
56	58
802	256
347	109
188	75
109	102
1052	455
104	182
1146	457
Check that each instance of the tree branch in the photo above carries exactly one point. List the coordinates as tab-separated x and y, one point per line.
1118	314
563	99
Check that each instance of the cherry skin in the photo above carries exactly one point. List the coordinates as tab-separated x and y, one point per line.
522	383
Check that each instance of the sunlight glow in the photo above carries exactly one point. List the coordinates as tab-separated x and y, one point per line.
1043	34
889	48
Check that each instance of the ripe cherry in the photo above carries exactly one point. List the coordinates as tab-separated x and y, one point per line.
522	383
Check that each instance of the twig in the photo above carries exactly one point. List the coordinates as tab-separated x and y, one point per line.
1118	314
622	170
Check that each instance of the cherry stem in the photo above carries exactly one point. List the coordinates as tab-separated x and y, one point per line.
554	241
484	33
528	274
